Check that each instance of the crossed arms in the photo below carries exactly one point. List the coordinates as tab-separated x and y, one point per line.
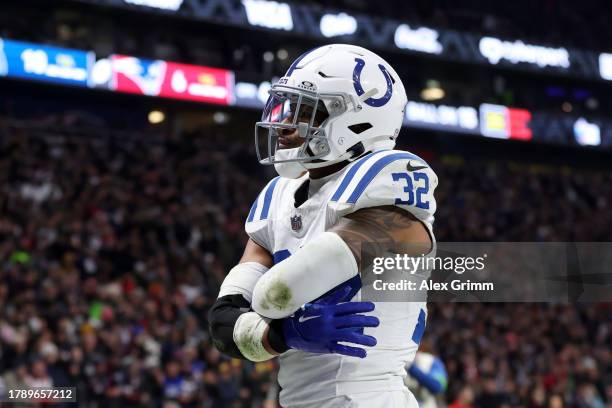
259	313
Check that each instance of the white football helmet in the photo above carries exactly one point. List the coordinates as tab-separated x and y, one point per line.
342	100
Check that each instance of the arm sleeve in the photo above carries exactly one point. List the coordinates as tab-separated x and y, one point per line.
322	264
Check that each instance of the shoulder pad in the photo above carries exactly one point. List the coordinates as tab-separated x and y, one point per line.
389	177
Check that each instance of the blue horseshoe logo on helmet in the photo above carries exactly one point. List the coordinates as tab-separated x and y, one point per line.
375	102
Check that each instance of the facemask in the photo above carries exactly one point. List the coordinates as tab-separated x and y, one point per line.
291	170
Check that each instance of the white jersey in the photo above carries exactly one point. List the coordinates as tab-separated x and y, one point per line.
389	177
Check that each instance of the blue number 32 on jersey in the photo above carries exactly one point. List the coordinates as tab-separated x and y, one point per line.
417	179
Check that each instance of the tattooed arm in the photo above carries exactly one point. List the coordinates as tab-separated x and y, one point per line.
385	228
333	258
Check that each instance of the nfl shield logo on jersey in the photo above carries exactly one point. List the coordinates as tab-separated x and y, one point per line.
296	222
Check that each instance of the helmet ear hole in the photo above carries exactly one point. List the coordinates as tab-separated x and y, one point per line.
360	127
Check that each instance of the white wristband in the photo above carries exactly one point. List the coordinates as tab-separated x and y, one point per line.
322	264
248	336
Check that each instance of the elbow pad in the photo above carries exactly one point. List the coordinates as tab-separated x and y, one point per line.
322	264
222	318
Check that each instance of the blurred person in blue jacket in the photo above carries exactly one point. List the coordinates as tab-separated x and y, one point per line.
427	380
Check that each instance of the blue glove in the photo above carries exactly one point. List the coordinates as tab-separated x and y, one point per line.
341	293
318	327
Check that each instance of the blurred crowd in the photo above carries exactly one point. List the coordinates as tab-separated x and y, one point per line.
113	249
514	201
523	355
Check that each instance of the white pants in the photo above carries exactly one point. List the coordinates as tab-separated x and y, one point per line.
387	399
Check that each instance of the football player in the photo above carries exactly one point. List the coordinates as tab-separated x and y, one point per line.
329	127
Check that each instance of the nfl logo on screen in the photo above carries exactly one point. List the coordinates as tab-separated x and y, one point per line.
296	222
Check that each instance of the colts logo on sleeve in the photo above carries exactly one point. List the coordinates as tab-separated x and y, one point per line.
374	102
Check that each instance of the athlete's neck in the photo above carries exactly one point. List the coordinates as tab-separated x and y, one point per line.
326	171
